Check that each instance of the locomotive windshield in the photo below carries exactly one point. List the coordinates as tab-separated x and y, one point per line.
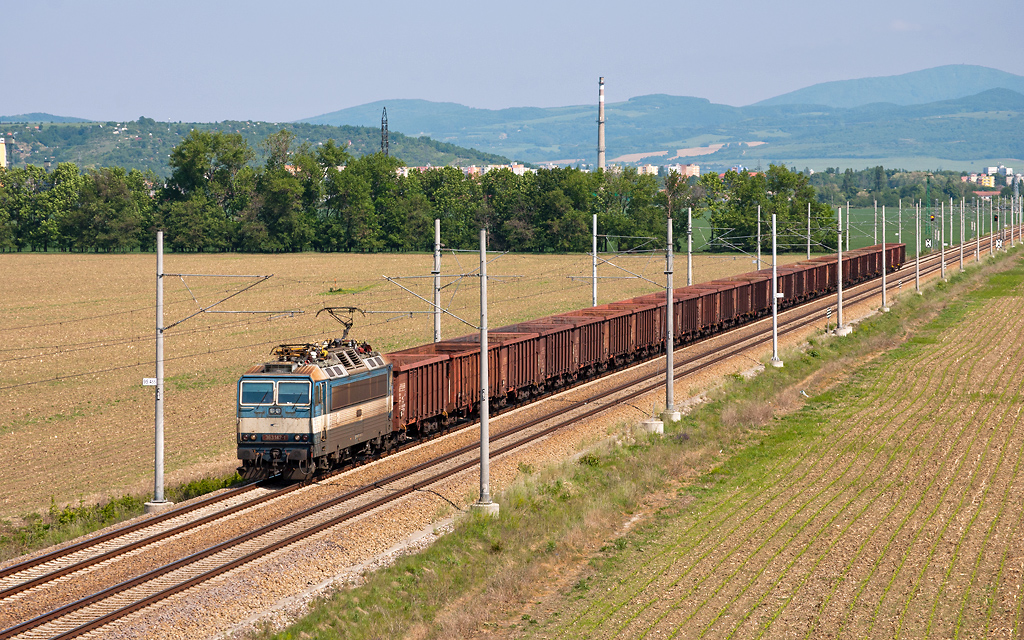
262	392
292	393
257	392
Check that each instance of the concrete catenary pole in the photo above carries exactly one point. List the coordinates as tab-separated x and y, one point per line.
593	295
977	231
841	330
991	229
942	238
847	225
876	223
961	234
917	243
158	501
689	246
775	362
437	279
899	223
484	504
808	230
670	414
885	262
600	123
758	237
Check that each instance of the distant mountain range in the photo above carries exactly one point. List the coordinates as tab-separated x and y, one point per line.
956	113
949	116
918	87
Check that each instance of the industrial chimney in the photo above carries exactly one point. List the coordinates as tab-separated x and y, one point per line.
600	124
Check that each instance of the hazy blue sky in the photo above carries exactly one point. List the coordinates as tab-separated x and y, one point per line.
206	61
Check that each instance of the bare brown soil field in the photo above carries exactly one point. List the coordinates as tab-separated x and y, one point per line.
77	339
887	508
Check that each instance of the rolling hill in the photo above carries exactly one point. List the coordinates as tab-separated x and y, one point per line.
917	87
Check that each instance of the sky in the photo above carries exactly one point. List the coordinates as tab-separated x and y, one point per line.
282	61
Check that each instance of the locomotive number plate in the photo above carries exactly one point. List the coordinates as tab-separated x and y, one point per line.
275	437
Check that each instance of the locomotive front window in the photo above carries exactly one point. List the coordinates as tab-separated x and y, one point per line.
292	393
257	393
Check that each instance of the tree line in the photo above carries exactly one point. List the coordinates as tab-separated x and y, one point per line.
224	195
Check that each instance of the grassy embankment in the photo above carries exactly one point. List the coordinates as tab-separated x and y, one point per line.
561	529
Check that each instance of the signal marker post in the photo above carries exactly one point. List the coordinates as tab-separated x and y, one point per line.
775	362
484	505
841	329
885	260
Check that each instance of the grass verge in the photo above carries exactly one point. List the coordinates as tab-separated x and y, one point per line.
61	524
562	527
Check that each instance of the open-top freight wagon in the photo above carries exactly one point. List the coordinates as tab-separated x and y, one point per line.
321	405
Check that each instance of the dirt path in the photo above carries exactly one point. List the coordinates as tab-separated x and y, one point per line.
887	508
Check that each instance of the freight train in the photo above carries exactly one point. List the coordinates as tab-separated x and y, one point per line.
317	406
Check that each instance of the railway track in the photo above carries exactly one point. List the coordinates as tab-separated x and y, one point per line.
86	614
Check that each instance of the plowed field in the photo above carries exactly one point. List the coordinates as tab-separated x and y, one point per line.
889	507
78	338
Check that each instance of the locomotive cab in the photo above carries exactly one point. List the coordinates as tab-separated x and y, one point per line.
316	406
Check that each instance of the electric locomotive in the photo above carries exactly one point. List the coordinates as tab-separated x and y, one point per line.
313	407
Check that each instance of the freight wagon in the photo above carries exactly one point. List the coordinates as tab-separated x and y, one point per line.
320	405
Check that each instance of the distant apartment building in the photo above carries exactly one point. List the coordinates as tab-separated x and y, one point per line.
987	181
647	170
3	153
686	170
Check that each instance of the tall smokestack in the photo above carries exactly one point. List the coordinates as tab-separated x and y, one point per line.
600	124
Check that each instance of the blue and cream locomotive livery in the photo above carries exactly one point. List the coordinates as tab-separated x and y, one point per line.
313	407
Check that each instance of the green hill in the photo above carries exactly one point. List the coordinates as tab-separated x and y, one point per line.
37	117
147	144
918	87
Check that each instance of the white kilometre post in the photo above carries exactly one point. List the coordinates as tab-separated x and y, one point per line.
593	295
775	361
159	503
841	329
917	261
671	414
437	279
808	230
758	237
484	505
689	246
